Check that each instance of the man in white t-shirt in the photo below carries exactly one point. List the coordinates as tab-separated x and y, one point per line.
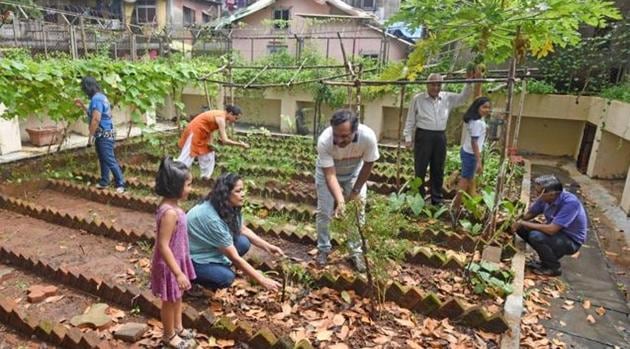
346	152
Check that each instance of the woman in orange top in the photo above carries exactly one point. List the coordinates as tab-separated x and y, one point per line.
196	139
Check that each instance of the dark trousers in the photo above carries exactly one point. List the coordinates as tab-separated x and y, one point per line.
107	161
550	248
430	148
214	275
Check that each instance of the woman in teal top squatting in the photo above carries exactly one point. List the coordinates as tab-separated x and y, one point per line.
101	128
218	237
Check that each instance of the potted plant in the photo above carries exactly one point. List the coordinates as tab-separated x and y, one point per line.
45	135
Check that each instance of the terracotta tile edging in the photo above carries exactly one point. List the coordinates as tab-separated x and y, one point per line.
127	297
513	307
43	329
425	303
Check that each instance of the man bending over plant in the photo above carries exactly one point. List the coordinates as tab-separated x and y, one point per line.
196	139
564	231
346	152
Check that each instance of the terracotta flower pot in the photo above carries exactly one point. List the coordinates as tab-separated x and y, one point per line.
46	135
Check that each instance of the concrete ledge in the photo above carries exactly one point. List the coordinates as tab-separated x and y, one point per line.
514	303
75	141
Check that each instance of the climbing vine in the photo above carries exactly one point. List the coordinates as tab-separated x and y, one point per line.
47	87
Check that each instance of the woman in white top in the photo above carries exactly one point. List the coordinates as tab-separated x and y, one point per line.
474	135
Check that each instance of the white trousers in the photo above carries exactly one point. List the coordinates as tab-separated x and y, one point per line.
206	161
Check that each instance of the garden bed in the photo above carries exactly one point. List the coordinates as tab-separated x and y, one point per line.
106	239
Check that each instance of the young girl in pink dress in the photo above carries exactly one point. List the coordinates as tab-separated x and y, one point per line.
171	268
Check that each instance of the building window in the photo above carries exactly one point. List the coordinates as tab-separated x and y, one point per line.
373	56
189	16
275	48
368	4
145	11
281	18
205	17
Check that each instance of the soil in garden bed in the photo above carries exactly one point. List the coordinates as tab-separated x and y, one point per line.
64	247
61	307
445	283
38	193
325	317
291	185
10	339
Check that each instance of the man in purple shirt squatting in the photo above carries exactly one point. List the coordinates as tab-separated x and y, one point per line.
564	230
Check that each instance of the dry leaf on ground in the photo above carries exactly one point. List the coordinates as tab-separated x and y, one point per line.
324	335
339	320
339	346
590	319
120	248
587	304
382	339
600	311
53	299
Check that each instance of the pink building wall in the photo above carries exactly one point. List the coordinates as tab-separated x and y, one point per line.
358	39
177	11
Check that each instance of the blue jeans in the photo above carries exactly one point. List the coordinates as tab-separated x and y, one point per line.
215	275
550	248
107	161
326	208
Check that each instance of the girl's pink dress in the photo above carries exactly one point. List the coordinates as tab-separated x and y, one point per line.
163	281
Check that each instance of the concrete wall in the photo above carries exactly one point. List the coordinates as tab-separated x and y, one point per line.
553	125
390	122
9	133
260	113
610	158
550	136
254	24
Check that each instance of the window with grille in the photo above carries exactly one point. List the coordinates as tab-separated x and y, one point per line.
189	16
144	11
368	4
281	18
275	48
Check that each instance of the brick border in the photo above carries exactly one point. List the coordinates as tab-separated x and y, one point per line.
130	296
291	209
412	298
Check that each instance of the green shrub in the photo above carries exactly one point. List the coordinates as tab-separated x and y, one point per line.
619	92
540	87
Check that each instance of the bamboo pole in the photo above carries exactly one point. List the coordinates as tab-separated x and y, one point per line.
415	82
83	39
358	98
400	116
255	86
297	72
205	89
349	69
520	114
256	76
490	228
